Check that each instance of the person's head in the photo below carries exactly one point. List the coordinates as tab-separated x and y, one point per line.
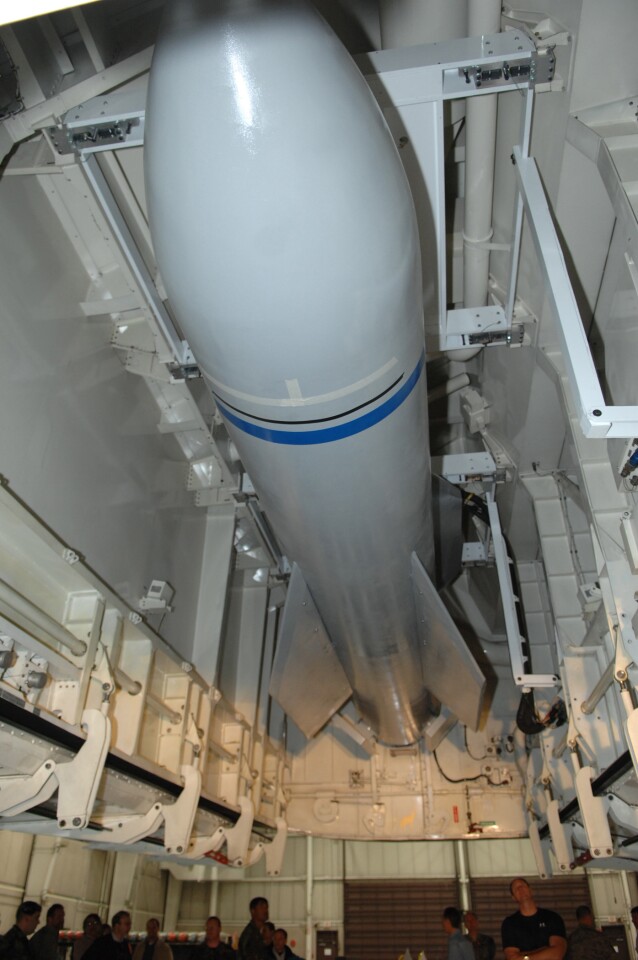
280	938
584	916
152	929
520	890
120	924
28	916
451	919
267	932
213	930
92	926
259	910
634	916
471	924
55	916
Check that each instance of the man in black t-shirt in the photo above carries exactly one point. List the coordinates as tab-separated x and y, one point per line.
532	931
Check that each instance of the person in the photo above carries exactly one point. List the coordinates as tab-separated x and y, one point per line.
458	948
484	947
152	948
44	943
114	945
91	930
532	931
587	943
14	945
280	949
251	941
213	948
268	933
634	920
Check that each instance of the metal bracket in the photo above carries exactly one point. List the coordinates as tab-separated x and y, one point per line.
178	818
236	838
594	814
20	793
464	467
514	639
274	850
540	851
596	418
560	841
76	781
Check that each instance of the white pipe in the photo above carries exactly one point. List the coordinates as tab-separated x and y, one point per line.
43	627
605	681
484	17
463	874
128	684
421	21
162	709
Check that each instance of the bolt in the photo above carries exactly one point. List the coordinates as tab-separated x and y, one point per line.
596	853
597	413
62	823
179	849
77	821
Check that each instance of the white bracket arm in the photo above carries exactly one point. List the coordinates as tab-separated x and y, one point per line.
236	838
595	417
180	816
540	851
20	793
76	781
79	780
177	817
274	850
560	842
593	811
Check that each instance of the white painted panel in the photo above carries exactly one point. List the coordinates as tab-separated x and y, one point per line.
218	552
405	859
506	858
15	851
80	443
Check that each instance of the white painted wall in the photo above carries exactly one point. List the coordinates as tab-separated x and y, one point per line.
79	434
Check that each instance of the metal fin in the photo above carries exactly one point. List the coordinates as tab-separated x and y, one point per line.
307	679
450	671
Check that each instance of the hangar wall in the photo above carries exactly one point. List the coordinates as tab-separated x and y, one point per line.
309	894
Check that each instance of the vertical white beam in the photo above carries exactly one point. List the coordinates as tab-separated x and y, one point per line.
463	874
480	139
309	891
216	563
171	906
213	902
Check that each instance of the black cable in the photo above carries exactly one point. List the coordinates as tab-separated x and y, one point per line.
468	749
450	779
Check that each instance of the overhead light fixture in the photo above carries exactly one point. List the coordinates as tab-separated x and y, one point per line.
13	10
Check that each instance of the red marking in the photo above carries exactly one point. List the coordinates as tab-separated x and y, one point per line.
455	814
213	855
